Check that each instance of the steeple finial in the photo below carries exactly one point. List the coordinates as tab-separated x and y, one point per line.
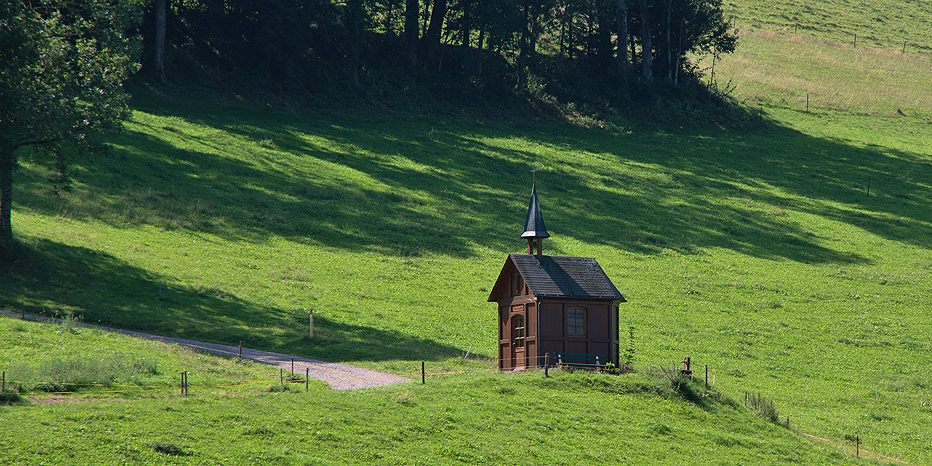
534	229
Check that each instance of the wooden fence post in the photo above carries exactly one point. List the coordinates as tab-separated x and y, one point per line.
241	349
857	445
3	387
547	364
281	377
307	378
423	375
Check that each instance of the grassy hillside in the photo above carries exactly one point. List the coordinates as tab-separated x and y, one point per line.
792	258
854	57
886	24
480	418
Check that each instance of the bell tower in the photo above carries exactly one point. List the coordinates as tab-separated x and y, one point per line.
534	229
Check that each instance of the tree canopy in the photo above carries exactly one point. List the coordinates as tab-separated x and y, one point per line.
318	40
62	67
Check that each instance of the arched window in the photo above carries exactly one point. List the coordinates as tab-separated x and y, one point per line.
576	322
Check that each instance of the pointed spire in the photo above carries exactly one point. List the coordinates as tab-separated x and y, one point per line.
534	227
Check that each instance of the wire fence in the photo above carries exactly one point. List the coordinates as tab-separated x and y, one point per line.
887	40
534	363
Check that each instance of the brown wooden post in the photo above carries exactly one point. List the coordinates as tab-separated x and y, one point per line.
281	377
423	375
292	367
307	378
547	364
241	349
857	445
3	387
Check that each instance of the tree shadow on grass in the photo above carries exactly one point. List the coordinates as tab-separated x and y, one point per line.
409	187
100	289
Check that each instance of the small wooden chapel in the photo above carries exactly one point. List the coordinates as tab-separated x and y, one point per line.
552	304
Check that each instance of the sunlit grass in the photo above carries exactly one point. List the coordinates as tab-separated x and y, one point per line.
792	258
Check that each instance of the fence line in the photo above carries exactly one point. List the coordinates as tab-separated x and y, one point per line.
875	42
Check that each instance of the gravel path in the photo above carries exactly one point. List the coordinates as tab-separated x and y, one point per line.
338	376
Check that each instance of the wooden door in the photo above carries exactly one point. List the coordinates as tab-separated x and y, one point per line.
518	334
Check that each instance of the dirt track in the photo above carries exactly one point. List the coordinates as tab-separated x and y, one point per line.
338	376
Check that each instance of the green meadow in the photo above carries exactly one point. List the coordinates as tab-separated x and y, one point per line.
235	414
791	256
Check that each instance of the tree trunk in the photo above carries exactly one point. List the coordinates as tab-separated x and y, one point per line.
621	12
431	39
647	53
479	47
7	162
158	59
668	45
354	24
412	28
605	38
522	62
679	55
466	27
524	50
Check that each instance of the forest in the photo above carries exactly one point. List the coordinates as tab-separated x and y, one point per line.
456	48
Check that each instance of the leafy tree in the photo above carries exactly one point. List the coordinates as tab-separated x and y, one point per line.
62	65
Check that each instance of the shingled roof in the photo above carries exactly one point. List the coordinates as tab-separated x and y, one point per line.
559	277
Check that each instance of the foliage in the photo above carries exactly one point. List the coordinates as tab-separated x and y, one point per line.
762	406
62	66
322	47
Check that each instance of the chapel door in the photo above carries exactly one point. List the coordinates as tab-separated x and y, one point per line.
518	334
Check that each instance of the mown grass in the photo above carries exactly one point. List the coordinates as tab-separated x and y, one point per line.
885	25
789	52
478	418
799	72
